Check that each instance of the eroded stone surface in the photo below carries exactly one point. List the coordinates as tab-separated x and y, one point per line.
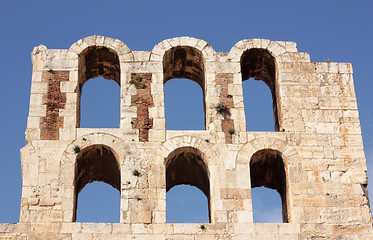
317	148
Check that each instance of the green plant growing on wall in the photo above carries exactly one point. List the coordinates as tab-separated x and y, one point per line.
51	71
136	173
76	149
231	131
220	108
202	227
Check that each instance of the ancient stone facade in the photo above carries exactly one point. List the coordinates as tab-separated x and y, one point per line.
315	158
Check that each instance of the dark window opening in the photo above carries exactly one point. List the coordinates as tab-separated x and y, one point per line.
261	65
96	163
96	62
185	63
185	166
183	100
267	170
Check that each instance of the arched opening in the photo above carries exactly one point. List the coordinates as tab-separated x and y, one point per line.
258	106
96	61
96	163
182	63
186	204
98	202
267	170
185	166
100	104
259	64
183	100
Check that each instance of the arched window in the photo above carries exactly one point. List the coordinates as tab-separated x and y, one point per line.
182	63
185	166
267	170
100	104
96	163
95	62
259	64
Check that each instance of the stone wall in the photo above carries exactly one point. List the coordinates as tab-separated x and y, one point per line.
317	142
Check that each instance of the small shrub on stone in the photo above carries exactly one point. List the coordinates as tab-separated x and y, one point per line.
136	173
220	108
76	149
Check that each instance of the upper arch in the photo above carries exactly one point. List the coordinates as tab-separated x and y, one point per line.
275	48
251	147
174	143
121	49
207	51
119	148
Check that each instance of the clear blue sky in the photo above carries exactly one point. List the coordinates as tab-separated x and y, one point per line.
339	30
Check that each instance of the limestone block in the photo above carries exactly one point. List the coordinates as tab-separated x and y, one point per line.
96	227
37	110
144	217
141	56
39	88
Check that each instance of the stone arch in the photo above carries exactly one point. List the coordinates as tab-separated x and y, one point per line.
68	164
262	56
258	63
98	56
198	149
159	50
185	165
289	157
267	170
95	163
186	161
185	141
185	57
275	48
123	51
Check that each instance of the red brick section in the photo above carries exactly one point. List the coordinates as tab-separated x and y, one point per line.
142	100
55	100
227	124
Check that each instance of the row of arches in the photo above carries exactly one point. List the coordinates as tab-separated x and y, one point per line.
180	64
187	176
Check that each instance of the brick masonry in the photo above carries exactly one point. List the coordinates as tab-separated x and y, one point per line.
226	99
143	100
54	100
